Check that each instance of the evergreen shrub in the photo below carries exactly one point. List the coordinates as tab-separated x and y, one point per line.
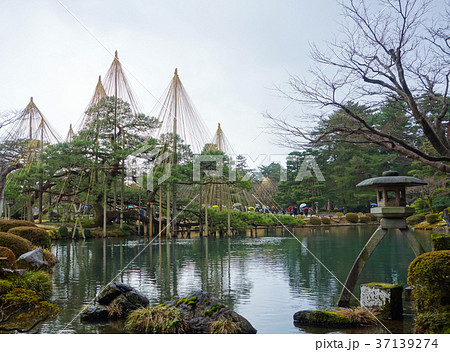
352	217
429	275
6	225
9	259
325	220
15	243
37	236
315	221
63	231
363	219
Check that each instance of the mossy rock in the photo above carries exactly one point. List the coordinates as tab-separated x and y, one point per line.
324	318
6	225
17	244
37	236
352	217
315	221
415	219
429	274
440	242
7	259
432	218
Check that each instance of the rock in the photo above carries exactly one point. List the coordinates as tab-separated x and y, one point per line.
94	314
121	298
123	304
200	310
324	318
118	300
111	291
32	260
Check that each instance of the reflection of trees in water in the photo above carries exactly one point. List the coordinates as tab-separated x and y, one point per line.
220	266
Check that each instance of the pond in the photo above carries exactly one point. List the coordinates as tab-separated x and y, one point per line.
266	278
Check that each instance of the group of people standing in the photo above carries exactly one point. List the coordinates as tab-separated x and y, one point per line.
294	211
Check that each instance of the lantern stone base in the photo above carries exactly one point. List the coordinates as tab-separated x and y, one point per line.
392	212
387	224
384	300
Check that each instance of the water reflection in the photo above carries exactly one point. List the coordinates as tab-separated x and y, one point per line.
265	278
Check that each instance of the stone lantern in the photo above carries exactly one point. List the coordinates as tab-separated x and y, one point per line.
392	209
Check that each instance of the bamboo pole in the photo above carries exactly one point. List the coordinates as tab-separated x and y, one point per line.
175	161
139	217
105	203
150	221
229	221
42	170
206	219
160	214
200	222
168	213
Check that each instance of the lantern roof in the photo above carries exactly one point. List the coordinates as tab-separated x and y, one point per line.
392	178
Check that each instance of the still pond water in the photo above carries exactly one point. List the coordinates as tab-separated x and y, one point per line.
266	279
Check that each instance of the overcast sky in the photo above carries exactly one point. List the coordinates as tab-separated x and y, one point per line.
229	55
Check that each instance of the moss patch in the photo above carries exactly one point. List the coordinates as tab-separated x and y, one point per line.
325	318
383	285
213	309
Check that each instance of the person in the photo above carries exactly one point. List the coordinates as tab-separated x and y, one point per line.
305	211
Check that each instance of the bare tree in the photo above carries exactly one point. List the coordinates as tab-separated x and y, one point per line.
386	51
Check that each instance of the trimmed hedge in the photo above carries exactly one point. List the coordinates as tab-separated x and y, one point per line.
9	261
63	231
15	243
433	323
432	218
6	225
363	219
37	236
325	220
429	274
352	217
371	216
315	221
